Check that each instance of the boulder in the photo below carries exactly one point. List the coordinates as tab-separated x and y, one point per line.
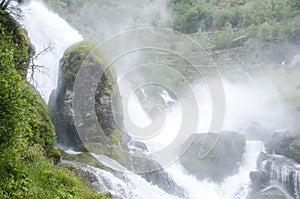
62	98
155	174
214	156
259	179
269	193
286	144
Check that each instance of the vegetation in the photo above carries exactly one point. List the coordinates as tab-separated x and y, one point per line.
263	29
258	31
27	135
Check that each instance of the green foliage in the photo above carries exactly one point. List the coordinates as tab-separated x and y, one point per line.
224	38
23	48
189	16
26	131
103	18
76	55
269	25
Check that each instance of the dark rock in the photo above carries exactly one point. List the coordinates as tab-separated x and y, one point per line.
277	170
259	179
261	157
62	98
269	193
286	144
213	157
138	146
157	176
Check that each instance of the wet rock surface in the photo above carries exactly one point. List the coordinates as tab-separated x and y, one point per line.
222	155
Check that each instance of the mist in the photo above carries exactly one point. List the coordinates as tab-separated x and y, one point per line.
255	105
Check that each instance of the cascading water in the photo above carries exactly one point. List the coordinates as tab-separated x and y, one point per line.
283	172
236	186
47	30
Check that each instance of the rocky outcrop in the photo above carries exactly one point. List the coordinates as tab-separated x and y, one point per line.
115	144
286	144
223	155
279	165
158	177
269	193
61	103
276	170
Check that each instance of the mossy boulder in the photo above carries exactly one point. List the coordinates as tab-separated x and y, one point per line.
55	155
214	156
109	143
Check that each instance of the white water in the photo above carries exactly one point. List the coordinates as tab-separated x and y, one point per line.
233	187
130	186
236	186
47	28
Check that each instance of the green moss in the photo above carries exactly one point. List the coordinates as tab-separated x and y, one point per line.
26	131
116	137
74	57
55	155
83	157
23	48
111	150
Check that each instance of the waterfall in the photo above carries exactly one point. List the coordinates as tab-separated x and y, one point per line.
47	30
126	185
236	186
283	172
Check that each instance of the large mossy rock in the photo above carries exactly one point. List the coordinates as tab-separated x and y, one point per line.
111	141
286	144
221	161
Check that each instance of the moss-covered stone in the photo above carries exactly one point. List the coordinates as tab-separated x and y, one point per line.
55	155
85	54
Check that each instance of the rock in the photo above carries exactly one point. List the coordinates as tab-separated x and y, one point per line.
259	179
156	176
223	160
162	179
55	155
62	98
286	144
282	171
261	157
269	193
137	146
